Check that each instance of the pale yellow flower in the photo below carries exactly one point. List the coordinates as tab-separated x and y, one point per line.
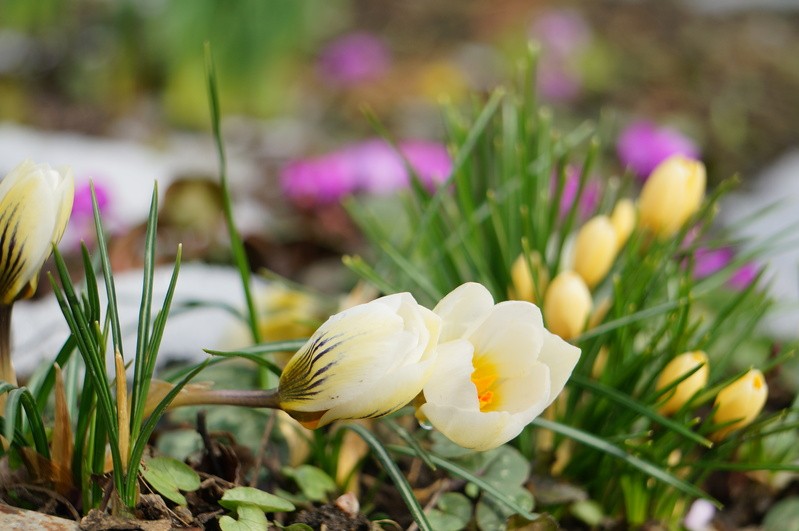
524	281
35	204
672	194
367	361
741	401
497	369
687	388
595	250
567	305
623	220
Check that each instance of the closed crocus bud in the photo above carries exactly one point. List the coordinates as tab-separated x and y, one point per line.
524	280
623	220
683	391
365	362
497	368
741	401
35	203
595	250
567	305
672	194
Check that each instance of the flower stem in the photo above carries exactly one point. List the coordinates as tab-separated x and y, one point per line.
7	373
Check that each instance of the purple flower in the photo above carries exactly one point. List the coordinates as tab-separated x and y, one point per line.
82	205
709	261
354	59
373	167
643	145
564	35
589	199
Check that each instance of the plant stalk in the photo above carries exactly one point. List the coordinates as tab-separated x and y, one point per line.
7	372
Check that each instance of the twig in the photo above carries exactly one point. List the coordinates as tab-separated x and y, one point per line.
259	458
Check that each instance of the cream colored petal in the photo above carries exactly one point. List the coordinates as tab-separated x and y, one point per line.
526	395
383	396
561	358
462	308
450	380
512	334
473	429
27	218
65	194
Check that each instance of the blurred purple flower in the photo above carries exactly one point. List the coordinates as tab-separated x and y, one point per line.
353	59
744	277
82	205
643	145
708	261
588	200
564	35
373	167
81	221
561	31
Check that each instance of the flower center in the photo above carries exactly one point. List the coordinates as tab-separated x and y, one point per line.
484	377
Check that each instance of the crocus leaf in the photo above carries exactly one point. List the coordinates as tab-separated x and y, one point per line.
250	518
248	496
169	476
314	482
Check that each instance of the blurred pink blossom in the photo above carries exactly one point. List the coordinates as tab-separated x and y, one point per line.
708	261
81	221
372	167
564	35
588	200
643	145
354	58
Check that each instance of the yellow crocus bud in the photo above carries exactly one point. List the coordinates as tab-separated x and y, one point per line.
567	305
595	250
35	204
741	401
683	391
671	195
524	281
623	220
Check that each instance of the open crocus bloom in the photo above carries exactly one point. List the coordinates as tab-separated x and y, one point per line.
497	368
364	362
35	203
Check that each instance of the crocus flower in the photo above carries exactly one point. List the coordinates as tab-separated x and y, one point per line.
671	195
687	388
353	59
497	368
708	261
643	145
741	401
588	199
373	167
81	222
623	219
35	203
365	362
564	35
523	281
567	304
595	250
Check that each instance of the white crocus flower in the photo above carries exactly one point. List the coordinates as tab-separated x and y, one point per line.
497	368
35	204
365	362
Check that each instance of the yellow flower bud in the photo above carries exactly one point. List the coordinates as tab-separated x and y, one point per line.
595	250
623	220
35	204
683	391
524	280
740	401
567	305
672	194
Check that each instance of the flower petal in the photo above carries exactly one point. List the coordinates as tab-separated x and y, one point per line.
462	308
561	358
512	334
